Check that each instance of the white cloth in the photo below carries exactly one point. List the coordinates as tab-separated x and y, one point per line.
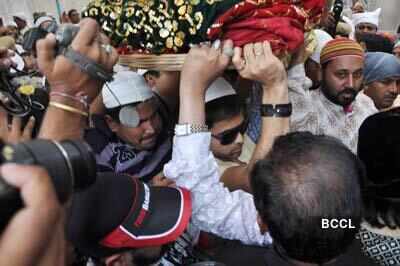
313	112
43	19
218	89
322	39
230	215
367	17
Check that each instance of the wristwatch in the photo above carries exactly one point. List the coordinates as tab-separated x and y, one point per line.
276	110
187	129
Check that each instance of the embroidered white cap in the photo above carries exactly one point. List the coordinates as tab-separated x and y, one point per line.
322	39
219	88
128	87
367	17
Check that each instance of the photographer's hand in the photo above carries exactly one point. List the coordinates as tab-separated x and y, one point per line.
34	236
202	66
66	77
13	133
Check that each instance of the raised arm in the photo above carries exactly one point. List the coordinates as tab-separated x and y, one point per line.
65	78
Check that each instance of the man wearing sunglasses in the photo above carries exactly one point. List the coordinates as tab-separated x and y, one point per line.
226	118
133	136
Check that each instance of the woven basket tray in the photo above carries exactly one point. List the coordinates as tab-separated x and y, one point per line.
164	62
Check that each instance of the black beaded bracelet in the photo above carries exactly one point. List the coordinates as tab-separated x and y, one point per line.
276	110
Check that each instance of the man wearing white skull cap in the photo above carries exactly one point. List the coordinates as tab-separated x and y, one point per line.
366	21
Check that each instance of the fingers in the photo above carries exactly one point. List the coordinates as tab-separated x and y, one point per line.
88	32
46	53
41	210
266	46
15	127
258	49
3	125
249	55
27	133
237	59
34	183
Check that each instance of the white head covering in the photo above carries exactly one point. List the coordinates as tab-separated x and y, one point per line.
126	88
219	88
367	17
42	19
21	16
322	39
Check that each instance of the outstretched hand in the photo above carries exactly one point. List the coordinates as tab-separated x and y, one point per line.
204	63
257	62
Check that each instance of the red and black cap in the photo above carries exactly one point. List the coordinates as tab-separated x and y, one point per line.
119	213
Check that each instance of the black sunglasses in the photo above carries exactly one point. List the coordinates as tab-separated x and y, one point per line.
228	136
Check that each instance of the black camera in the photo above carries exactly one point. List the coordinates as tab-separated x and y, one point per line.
70	164
337	13
65	33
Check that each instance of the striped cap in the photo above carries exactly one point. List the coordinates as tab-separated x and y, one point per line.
341	47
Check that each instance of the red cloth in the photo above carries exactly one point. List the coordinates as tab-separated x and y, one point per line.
281	22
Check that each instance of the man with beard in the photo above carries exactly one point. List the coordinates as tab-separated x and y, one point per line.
381	78
336	109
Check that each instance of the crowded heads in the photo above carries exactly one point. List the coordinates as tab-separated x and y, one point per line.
312	65
21	20
132	110
381	78
342	62
303	179
366	21
226	119
120	213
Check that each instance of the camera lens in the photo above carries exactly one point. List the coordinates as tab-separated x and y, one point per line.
70	164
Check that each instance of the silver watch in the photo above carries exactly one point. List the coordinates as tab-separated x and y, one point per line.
187	129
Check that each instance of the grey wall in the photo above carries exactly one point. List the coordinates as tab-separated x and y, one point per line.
390	17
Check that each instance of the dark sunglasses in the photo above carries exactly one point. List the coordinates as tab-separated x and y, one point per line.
228	136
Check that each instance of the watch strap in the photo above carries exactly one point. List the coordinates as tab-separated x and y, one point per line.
187	129
276	110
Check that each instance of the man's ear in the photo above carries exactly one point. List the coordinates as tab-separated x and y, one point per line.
112	124
263	226
115	260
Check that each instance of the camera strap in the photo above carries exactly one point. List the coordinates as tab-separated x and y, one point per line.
87	65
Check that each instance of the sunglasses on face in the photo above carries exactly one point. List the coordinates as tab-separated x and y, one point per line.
229	136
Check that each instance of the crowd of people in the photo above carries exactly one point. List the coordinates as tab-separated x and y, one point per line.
239	158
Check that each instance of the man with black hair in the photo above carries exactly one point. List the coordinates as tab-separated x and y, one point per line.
133	136
379	148
74	16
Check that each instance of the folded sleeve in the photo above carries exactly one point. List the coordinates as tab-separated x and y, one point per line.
230	215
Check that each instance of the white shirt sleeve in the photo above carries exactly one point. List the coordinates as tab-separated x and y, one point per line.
230	215
304	117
